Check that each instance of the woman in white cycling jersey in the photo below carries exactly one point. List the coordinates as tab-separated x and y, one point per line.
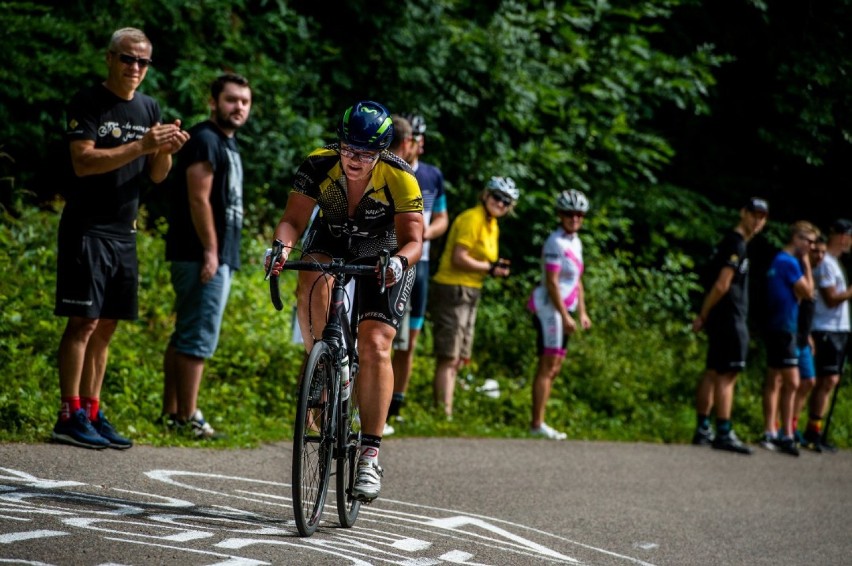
559	296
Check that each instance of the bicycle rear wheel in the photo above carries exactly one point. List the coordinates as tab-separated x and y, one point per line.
349	429
312	440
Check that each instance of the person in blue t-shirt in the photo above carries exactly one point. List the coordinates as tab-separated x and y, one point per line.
789	280
435	223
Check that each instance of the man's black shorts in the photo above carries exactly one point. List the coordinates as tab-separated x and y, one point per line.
97	278
727	346
830	352
781	350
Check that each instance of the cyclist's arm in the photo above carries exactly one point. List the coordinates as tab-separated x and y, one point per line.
294	220
409	235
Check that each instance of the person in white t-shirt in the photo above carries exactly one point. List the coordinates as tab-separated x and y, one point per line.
830	330
559	295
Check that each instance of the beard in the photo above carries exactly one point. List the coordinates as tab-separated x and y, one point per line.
225	121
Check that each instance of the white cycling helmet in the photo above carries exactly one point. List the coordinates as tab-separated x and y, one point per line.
572	201
504	185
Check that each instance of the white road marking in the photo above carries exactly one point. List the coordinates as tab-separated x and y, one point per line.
9	538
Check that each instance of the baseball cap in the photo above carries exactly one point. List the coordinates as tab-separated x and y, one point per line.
756	204
841	226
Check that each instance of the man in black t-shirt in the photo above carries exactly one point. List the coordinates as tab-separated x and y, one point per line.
115	137
203	246
723	315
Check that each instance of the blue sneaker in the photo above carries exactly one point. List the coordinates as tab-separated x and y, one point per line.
106	430
78	431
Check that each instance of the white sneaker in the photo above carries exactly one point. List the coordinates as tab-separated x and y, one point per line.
368	481
388	430
548	432
200	429
490	388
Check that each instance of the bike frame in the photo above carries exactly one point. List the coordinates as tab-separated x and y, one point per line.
339	339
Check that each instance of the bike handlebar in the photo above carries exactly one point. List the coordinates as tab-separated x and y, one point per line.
336	267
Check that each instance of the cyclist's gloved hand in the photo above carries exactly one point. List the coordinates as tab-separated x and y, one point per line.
393	271
276	269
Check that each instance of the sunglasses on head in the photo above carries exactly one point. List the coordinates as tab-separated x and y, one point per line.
129	60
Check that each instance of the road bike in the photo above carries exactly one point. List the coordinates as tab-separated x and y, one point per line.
326	414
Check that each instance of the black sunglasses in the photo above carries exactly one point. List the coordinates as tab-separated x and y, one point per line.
501	198
130	60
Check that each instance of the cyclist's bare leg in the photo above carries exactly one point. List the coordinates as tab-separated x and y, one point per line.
548	368
445	382
375	376
72	353
97	353
315	295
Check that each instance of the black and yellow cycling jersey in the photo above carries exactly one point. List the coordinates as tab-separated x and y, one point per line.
392	189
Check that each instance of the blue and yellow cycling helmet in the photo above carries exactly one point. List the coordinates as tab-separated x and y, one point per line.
366	125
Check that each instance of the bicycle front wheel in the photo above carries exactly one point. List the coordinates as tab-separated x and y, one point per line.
312	440
349	430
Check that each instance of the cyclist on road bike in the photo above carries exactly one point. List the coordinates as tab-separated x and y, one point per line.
368	201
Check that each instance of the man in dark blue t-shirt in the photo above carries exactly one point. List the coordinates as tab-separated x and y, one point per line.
203	246
723	315
789	280
435	224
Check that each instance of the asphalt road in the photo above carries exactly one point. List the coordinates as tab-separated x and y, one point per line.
444	501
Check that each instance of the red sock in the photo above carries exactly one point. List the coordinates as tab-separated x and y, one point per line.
92	406
67	407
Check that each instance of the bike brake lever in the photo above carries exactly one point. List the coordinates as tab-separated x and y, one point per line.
277	251
384	259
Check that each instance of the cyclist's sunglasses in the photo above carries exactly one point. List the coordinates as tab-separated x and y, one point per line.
362	156
501	198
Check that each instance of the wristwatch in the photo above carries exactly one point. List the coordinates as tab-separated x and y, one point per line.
404	261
